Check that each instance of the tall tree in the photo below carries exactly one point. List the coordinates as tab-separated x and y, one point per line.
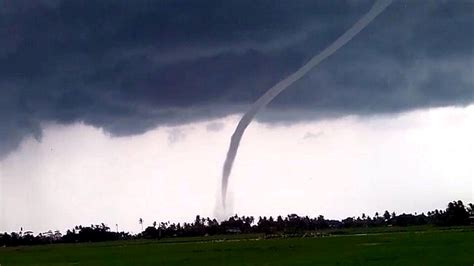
140	221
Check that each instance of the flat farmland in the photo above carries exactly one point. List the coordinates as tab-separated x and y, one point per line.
427	247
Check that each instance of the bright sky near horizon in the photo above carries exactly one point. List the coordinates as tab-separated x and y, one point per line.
411	162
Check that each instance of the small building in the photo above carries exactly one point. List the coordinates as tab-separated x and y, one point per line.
233	231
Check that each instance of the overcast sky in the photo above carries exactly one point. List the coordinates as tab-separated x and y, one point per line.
115	110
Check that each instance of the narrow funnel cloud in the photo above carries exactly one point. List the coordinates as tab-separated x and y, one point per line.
266	98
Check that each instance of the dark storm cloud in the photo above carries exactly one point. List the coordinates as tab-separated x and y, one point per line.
127	66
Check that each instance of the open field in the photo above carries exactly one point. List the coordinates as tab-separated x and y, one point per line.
409	247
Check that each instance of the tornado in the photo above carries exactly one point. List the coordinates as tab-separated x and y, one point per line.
266	98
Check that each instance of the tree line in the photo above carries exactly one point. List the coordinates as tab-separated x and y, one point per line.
456	213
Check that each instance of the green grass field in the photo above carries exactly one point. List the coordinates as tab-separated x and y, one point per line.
409	247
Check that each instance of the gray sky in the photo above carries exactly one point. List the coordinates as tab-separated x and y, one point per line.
115	110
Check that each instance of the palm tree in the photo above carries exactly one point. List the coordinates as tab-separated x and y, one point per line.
140	221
